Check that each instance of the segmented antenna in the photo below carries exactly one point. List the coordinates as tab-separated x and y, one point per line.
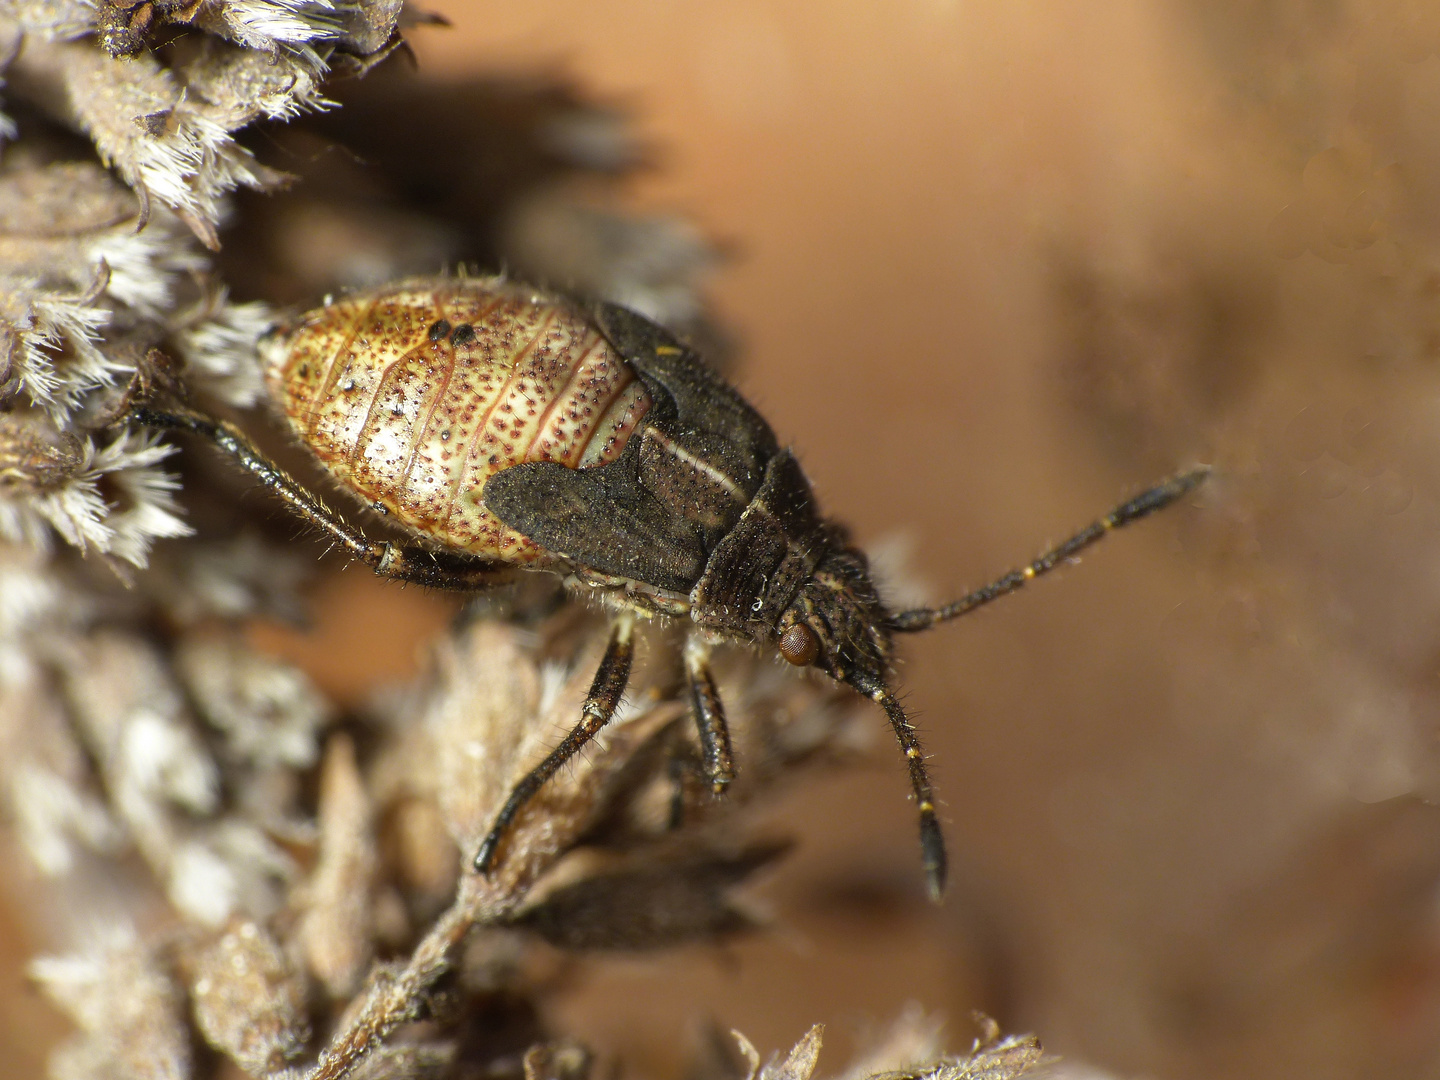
1147	502
932	843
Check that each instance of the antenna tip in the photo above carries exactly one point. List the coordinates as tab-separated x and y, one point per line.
1194	477
932	854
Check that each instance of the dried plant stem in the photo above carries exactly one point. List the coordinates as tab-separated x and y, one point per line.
394	999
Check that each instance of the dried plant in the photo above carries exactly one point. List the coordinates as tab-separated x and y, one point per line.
233	869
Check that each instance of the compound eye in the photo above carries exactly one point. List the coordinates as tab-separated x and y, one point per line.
799	645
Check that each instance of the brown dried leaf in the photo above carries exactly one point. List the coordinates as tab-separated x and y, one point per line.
482	715
651	901
423	858
133	719
799	1064
248	1001
80	1058
336	931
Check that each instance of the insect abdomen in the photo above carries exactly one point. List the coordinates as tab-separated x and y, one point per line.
418	394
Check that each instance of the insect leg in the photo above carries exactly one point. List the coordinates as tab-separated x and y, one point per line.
717	757
599	707
403	562
1147	502
932	842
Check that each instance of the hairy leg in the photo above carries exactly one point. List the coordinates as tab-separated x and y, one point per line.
599	708
716	755
403	562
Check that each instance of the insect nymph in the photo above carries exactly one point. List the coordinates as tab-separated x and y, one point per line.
505	429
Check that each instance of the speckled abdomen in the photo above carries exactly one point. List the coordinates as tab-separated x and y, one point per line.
417	394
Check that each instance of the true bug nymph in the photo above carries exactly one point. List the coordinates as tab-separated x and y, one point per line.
505	429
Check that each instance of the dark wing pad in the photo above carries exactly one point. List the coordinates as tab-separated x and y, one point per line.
692	479
703	403
601	518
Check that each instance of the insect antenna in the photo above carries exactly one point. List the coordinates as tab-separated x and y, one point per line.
1147	502
932	842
